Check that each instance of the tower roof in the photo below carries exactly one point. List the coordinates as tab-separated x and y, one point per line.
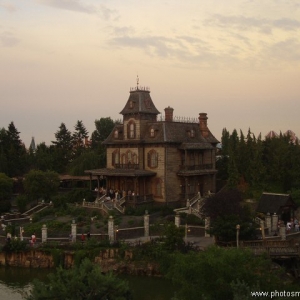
139	101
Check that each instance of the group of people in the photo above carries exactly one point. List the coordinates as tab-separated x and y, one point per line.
292	225
112	194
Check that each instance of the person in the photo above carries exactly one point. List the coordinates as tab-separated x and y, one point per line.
288	227
82	238
33	238
8	237
88	235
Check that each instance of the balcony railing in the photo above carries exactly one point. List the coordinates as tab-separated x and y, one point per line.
196	167
127	166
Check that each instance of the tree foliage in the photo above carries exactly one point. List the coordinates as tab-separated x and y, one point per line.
253	165
39	184
216	272
85	282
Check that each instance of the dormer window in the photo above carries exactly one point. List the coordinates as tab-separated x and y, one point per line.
192	133
131	104
152	132
116	134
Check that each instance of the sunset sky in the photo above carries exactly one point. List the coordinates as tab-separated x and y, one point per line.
69	60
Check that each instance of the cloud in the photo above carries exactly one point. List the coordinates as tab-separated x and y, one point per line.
9	7
8	39
78	6
72	5
248	23
287	50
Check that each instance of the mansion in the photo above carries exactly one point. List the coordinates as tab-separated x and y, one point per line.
158	159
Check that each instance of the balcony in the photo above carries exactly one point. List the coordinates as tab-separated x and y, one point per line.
196	167
127	166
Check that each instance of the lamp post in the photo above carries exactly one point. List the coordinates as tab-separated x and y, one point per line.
186	232
116	230
237	235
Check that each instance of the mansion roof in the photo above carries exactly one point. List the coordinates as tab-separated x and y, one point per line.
186	134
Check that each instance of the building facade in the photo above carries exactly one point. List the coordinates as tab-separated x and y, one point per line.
160	159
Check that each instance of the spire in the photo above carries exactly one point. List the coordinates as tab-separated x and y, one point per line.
137	82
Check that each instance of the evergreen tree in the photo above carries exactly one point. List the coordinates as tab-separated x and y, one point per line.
79	137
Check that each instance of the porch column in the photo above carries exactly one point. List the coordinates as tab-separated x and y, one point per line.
274	222
282	232
268	223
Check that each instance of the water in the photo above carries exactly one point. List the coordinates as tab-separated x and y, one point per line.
15	281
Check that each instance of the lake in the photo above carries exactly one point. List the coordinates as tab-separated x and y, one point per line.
15	281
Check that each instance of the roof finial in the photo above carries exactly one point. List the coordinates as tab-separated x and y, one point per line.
137	81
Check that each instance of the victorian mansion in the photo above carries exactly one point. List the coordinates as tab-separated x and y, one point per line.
160	159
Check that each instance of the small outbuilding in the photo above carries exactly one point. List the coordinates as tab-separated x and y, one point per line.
281	204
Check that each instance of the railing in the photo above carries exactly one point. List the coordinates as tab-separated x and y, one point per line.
196	167
127	166
139	198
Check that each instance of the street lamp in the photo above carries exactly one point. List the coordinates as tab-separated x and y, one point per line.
237	235
186	232
116	230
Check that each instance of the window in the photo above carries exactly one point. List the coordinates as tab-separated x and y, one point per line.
152	132
115	157
134	158
152	159
116	134
131	104
192	133
129	157
131	130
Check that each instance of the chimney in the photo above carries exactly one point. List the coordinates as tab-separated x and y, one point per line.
203	124
169	114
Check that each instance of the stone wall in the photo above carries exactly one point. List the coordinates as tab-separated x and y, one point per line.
108	259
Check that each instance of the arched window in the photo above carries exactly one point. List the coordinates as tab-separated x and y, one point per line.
129	157
152	158
116	157
131	130
134	158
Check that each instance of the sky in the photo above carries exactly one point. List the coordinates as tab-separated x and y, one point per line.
67	60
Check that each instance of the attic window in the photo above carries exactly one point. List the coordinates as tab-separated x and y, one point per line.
131	104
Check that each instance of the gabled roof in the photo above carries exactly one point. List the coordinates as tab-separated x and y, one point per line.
273	203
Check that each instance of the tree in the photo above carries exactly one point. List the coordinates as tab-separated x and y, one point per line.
86	161
39	184
63	148
215	273
84	282
79	136
104	127
226	210
6	191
